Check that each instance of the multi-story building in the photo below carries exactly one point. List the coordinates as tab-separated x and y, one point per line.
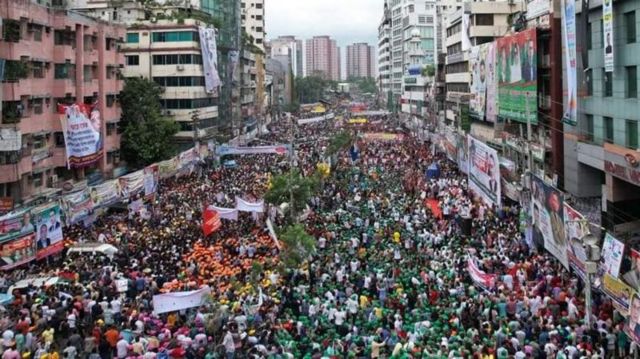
361	60
291	47
323	57
384	53
52	57
602	150
253	21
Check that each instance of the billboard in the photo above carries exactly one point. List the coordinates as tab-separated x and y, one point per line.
48	226
77	206
105	193
209	50
81	127
612	255
607	22
484	172
619	293
631	269
517	71
548	214
569	49
17	251
15	224
575	229
482	63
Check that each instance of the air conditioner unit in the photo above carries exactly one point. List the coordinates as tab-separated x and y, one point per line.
180	67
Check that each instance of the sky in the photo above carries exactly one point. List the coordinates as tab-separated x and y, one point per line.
346	21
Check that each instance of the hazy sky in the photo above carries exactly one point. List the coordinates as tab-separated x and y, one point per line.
347	21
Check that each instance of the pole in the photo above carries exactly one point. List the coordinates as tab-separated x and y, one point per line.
529	156
587	298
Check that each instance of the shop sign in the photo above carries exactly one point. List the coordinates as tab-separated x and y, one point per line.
622	163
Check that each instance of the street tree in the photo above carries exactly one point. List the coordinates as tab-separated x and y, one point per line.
297	246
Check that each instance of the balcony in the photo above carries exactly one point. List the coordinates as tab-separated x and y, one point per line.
62	53
13	172
61	87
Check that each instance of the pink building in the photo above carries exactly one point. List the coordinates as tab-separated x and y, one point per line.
54	57
361	60
323	56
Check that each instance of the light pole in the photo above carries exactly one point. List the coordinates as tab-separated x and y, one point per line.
590	243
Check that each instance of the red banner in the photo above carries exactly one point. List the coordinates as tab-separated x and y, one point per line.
479	277
210	221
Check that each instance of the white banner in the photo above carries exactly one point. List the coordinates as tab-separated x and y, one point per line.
105	193
272	233
209	51
304	121
81	127
466	27
10	139
276	149
173	302
226	213
607	22
244	206
569	40
484	172
612	253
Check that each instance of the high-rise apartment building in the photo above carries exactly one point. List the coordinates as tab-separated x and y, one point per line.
54	57
323	58
361	60
253	21
384	53
291	47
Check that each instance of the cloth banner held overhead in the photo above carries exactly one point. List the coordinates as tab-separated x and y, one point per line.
226	213
232	150
244	206
209	51
480	278
272	233
210	221
173	302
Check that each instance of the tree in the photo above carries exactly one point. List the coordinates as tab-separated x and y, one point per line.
311	89
293	188
147	136
429	71
297	246
340	141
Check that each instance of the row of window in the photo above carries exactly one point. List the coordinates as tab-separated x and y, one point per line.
182	81
165	36
629	30
187	104
630	130
631	82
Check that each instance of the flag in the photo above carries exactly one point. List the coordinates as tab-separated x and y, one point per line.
210	221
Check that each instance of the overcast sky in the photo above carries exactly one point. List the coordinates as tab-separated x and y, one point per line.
347	21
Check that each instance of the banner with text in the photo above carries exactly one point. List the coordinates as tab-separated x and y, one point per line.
176	301
607	23
548	214
17	252
618	291
276	149
209	50
482	63
570	59
48	226
81	127
484	172
612	255
77	206
575	229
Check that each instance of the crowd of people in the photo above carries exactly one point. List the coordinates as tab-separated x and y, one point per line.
389	277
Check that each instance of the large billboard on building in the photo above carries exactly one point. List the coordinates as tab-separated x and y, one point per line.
482	61
484	172
517	71
571	76
81	126
209	50
548	219
607	23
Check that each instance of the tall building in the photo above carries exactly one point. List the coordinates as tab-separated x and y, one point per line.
602	148
323	57
54	57
361	60
384	53
253	21
291	47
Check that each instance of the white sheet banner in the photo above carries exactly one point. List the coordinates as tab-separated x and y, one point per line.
304	121
10	139
484	172
244	206
607	22
231	150
226	213
209	51
612	252
272	233
173	302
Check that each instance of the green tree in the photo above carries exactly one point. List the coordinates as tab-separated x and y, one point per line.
341	141
297	246
429	71
292	188
147	136
311	89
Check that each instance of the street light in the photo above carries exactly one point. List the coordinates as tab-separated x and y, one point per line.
590	243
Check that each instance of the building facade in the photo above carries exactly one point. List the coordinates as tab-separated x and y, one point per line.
384	54
291	47
253	21
361	60
323	58
53	57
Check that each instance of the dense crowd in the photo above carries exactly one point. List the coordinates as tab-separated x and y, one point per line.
389	276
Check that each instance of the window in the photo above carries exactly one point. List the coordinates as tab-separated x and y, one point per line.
37	33
37	179
111	128
589	129
133	37
589	78
59	139
61	71
484	19
630	26
174	36
39	142
132	60
178	104
632	81
608	129
632	134
36	106
411	9
38	70
111	99
589	36
601	34
259	17
258	6
607	84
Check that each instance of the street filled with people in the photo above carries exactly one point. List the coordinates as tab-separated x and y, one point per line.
405	265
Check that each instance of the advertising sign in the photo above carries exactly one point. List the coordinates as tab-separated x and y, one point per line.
209	52
105	193
48	223
607	22
17	252
571	76
631	269
612	254
483	85
517	71
548	220
150	180
632	328
14	225
81	125
484	172
575	229
619	293
10	139
77	206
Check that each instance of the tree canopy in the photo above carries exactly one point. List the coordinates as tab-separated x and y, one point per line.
311	88
364	84
298	245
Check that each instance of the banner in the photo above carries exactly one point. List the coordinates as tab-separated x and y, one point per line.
209	51
81	127
382	136
226	213
632	327
10	139
463	154
48	225
607	23
569	39
482	67
105	194
631	269
272	233
131	184
480	278
173	302
244	206
77	206
548	213
484	172
619	293
304	121
466	28
168	168
17	252
612	254
150	180
517	68
210	221
15	224
449	144
575	229
276	149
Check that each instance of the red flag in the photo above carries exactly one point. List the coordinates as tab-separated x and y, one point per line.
210	221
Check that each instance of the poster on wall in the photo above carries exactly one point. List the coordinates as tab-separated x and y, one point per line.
548	221
209	52
517	71
484	172
483	86
607	23
575	229
569	49
612	256
17	251
81	127
48	226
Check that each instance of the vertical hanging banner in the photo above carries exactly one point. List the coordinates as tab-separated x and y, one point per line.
48	226
607	22
484	172
483	85
466	28
210	221
150	180
209	51
575	229
612	254
81	127
569	37
548	214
